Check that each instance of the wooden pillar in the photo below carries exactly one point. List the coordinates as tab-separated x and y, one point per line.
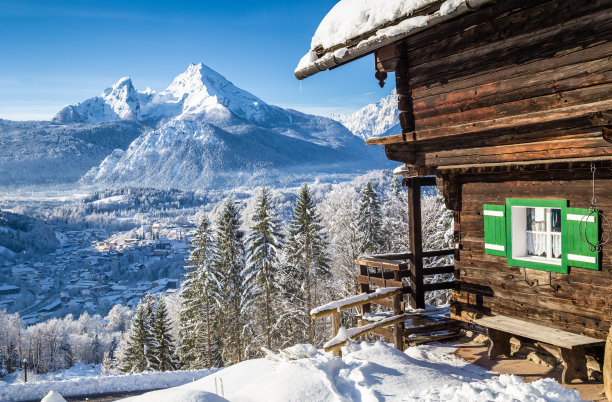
404	93
335	329
607	367
398	328
417	294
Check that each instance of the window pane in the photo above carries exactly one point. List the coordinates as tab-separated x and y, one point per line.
536	219
530	217
556	245
555	216
536	244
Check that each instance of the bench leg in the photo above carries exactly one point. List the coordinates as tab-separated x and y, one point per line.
574	365
500	343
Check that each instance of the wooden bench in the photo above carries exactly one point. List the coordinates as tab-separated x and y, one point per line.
569	345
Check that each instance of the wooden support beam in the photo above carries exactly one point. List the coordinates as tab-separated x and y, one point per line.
438	253
447	269
428	287
417	296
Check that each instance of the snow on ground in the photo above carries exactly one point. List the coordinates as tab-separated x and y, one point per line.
371	372
89	382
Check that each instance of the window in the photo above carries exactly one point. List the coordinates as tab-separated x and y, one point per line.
537	234
541	234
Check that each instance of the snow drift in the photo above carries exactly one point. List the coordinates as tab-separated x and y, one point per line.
372	372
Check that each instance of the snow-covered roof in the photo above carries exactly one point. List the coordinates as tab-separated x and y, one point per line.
355	28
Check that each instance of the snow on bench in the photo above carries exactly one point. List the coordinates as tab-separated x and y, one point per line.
345	334
354	301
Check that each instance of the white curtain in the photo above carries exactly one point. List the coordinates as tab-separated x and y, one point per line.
536	244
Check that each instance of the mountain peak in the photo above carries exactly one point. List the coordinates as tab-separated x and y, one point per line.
373	120
123	99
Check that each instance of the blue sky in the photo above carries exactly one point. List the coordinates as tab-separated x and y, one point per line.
59	52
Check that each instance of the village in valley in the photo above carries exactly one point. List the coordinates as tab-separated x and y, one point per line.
91	272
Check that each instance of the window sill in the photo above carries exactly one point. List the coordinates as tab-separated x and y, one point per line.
541	260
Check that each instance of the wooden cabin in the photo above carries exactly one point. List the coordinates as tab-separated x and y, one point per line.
508	104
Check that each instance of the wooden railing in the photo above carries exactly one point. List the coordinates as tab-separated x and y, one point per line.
383	270
390	295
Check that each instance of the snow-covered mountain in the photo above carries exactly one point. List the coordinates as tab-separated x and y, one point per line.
198	93
374	120
201	131
208	133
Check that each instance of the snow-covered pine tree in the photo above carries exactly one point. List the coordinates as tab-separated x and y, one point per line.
138	342
395	214
307	258
97	351
264	245
235	283
197	341
149	303
162	345
3	366
339	212
369	221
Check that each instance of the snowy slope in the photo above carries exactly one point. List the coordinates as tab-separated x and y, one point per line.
42	153
374	120
371	373
209	133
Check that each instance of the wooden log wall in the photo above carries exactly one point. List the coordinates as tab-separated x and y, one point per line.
487	285
533	78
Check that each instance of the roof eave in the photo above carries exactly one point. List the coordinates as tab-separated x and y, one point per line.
368	46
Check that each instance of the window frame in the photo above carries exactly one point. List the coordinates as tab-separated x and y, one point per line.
527	262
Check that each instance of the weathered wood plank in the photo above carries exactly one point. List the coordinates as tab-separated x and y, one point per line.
542	116
378	281
514	88
380	263
535	45
525	104
360	331
374	297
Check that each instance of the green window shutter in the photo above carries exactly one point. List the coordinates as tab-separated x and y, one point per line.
581	225
495	229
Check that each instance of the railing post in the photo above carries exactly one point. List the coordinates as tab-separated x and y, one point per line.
417	296
335	329
363	288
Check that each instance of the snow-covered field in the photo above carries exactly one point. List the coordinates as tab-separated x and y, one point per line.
372	372
85	380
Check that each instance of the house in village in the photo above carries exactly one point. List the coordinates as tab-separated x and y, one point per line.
506	106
